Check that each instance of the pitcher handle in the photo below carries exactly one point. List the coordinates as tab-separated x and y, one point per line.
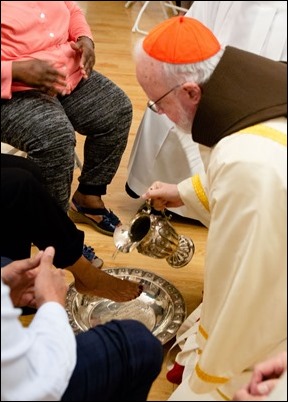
149	206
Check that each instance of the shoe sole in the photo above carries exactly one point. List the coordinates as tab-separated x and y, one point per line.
77	217
97	263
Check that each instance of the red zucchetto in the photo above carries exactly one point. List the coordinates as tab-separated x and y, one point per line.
181	40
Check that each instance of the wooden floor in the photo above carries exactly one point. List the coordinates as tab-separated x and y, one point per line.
111	24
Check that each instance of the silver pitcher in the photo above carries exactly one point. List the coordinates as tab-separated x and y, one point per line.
154	236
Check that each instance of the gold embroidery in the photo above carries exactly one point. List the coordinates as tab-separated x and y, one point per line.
209	378
223	395
267	132
199	191
203	332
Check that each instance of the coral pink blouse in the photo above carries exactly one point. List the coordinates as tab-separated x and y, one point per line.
40	30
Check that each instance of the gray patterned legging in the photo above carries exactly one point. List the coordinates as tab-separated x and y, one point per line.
44	127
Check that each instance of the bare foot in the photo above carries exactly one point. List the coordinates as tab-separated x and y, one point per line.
95	282
110	287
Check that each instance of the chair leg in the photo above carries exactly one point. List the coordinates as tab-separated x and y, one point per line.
135	27
8	149
128	3
162	3
169	4
164	6
78	163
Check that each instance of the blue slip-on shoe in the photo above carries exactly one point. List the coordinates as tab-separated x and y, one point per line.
107	225
89	254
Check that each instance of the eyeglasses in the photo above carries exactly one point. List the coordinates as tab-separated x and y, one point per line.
153	105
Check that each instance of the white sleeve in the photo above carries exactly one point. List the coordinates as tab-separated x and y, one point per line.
37	361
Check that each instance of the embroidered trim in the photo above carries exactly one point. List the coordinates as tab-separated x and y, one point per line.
203	332
223	395
209	378
200	192
267	132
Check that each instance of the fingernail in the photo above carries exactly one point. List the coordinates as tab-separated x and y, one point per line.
263	388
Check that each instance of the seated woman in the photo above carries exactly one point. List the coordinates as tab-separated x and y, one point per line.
49	91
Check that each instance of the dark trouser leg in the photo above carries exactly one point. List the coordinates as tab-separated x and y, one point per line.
30	215
102	112
45	128
117	361
37	124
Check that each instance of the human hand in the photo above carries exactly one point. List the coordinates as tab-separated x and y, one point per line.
50	284
264	378
20	276
40	74
85	47
163	195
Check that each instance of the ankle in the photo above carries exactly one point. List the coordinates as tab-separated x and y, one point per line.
81	269
91	201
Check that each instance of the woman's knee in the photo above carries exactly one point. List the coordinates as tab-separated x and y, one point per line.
38	122
56	147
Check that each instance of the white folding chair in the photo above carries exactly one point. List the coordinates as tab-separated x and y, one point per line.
163	4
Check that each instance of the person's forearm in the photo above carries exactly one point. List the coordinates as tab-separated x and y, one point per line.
16	71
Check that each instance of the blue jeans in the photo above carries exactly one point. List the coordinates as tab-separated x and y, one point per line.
117	361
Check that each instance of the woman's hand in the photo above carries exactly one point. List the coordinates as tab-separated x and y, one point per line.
85	47
40	74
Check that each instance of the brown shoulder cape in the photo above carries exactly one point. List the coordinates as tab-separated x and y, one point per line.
245	89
